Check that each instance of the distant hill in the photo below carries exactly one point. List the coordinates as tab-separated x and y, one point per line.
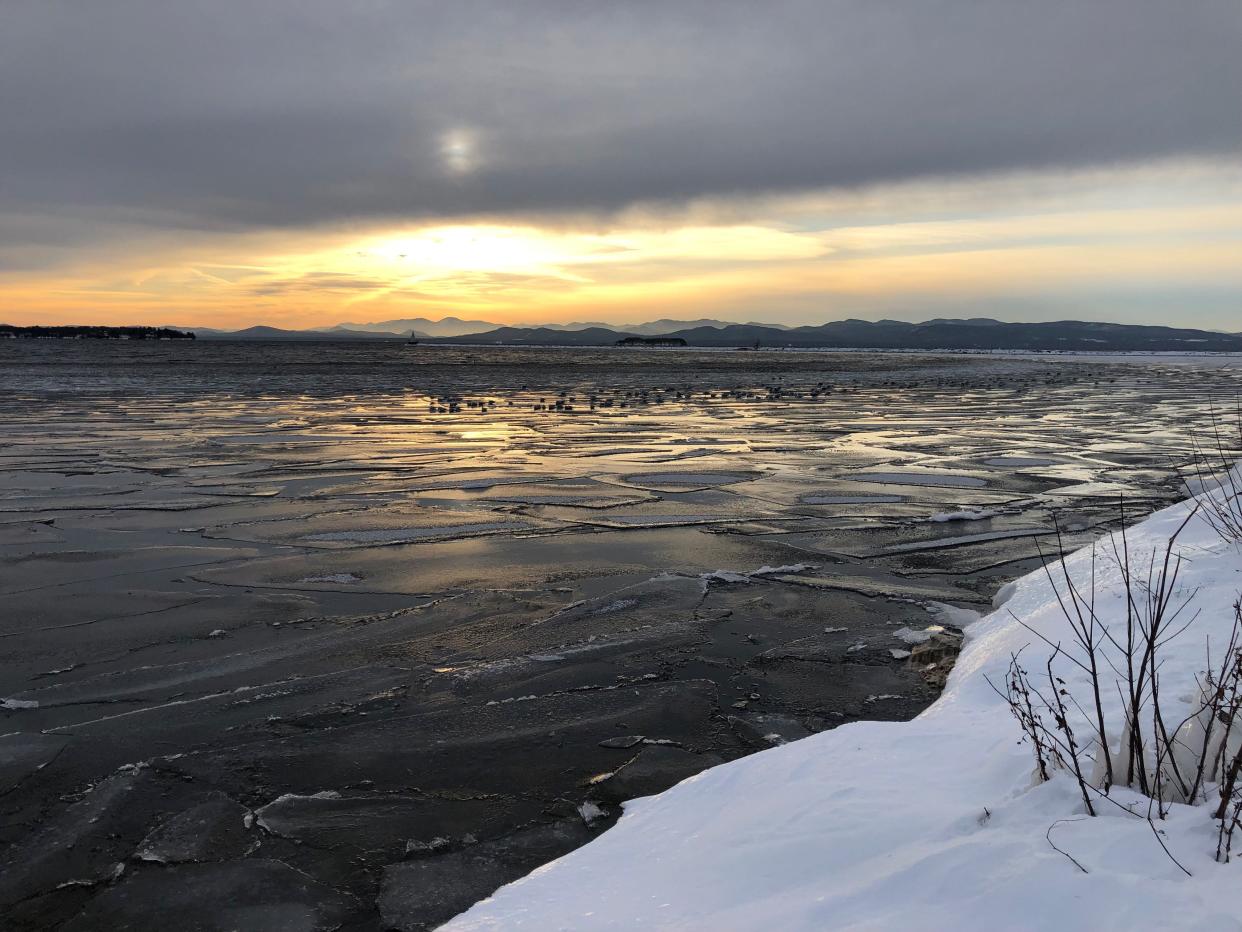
421	326
650	328
973	334
425	328
538	336
663	326
275	333
92	332
581	325
455	326
976	334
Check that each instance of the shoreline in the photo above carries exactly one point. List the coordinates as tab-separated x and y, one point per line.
929	823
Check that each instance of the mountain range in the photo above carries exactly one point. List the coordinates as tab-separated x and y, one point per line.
276	333
422	327
976	333
971	334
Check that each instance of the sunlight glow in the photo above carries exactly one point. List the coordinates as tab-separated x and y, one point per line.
1089	244
531	251
470	248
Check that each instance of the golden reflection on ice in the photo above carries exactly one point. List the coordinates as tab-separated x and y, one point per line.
502	432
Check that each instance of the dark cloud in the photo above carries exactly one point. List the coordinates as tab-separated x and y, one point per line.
221	114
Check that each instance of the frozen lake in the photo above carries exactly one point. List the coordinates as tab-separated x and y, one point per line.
365	627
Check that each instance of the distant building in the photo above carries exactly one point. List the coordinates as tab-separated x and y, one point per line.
651	341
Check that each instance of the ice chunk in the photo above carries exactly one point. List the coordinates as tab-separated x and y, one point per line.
729	576
590	812
246	893
782	570
688	479
952	615
725	576
402	535
910	636
961	540
211	831
951	480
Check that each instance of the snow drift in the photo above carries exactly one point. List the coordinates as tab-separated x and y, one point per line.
935	823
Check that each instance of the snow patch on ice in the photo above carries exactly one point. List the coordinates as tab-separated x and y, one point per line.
964	515
729	576
725	576
619	605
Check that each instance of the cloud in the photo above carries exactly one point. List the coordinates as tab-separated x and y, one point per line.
230	115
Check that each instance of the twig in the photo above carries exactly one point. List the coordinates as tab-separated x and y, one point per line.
1048	836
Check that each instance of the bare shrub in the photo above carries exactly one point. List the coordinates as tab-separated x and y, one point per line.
1214	475
1166	761
1224	740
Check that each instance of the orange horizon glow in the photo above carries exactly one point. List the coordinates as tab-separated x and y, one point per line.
790	261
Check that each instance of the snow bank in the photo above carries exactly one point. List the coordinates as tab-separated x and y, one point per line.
930	824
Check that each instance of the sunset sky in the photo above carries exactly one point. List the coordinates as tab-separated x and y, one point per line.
302	165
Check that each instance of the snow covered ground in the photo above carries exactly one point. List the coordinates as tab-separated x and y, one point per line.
935	823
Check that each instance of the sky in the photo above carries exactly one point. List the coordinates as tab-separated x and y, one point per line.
301	164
